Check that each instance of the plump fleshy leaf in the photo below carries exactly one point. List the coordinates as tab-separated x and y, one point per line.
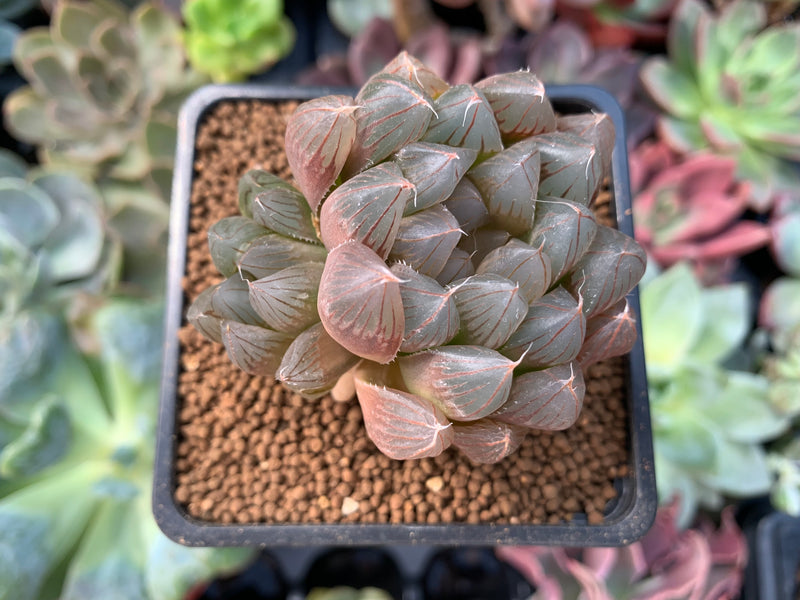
426	239
434	169
314	362
550	399
273	252
431	317
610	269
519	104
458	266
595	128
319	138
467	206
392	112
566	229
287	300
487	441
490	307
467	382
231	301
552	332
359	303
528	267
229	239
202	316
483	240
403	426
253	348
412	69
46	438
366	209
464	118
509	184
608	334
273	203
571	167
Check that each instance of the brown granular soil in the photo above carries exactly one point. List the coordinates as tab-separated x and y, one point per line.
250	451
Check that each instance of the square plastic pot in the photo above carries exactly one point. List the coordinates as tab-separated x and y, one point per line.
627	518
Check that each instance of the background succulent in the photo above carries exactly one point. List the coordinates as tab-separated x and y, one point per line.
455	269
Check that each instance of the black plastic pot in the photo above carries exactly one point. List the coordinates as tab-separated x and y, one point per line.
774	562
627	518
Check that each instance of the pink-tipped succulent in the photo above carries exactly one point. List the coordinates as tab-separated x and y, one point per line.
440	251
691	209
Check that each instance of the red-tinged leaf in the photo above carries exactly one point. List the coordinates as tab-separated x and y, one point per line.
608	334
430	311
551	399
366	209
490	308
392	112
319	137
519	103
564	230
314	362
411	69
458	266
464	118
467	206
202	317
273	252
467	382
434	169
231	301
487	441
287	300
483	240
229	239
426	240
571	167
359	303
526	266
403	426
610	269
276	205
509	183
551	333
595	128
255	350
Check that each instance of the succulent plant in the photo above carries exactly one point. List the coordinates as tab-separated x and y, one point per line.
692	211
619	23
231	41
731	85
704	563
455	269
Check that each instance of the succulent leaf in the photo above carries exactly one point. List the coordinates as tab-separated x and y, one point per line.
458	266
487	441
254	348
287	300
608	334
202	317
412	69
231	301
271	253
528	267
571	167
467	206
482	241
596	128
464	118
426	240
229	239
490	308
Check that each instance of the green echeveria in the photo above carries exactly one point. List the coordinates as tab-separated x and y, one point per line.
441	250
230	41
732	84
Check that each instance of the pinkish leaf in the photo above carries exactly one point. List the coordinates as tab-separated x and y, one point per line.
426	239
314	362
464	118
550	399
392	112
595	128
403	426
487	441
527	266
359	303
482	241
490	307
287	300
571	167
608	334
509	183
467	382
411	69
273	252
319	137
458	266
431	318
551	333
434	169
371	49
519	103
467	206
229	239
254	349
366	209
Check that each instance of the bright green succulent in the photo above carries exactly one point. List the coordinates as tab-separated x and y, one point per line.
734	86
231	40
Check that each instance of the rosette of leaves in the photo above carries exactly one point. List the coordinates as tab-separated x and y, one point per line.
732	85
709	421
230	41
82	527
441	249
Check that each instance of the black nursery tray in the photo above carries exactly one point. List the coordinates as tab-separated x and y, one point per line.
626	518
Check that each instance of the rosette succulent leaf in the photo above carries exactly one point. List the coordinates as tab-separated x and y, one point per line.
432	263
